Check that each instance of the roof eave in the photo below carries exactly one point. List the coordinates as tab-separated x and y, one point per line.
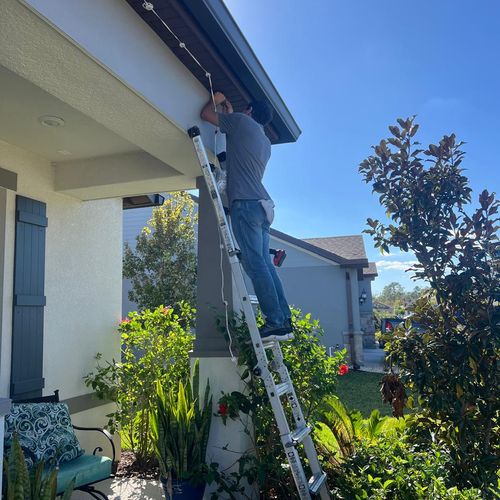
225	34
310	248
362	263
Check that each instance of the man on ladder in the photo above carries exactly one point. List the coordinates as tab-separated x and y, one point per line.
248	150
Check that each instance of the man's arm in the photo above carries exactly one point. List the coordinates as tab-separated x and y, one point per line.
208	112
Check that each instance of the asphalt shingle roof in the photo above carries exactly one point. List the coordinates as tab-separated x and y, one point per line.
348	247
345	250
371	270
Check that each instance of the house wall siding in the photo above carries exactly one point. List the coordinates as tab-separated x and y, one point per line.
134	221
82	277
317	287
319	290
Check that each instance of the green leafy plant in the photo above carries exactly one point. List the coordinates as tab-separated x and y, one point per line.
180	427
313	374
37	484
377	458
451	361
392	468
338	430
162	267
155	349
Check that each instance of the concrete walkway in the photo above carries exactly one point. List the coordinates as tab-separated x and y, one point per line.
374	360
126	488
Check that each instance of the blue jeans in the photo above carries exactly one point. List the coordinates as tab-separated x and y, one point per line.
251	230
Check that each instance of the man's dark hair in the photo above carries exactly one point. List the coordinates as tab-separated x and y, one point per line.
262	112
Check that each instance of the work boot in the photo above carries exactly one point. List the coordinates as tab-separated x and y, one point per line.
272	333
287	326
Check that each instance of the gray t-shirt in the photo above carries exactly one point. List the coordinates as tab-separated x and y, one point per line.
247	152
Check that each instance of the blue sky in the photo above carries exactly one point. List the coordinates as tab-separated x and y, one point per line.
347	70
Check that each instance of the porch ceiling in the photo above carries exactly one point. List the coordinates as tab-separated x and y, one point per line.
43	72
22	104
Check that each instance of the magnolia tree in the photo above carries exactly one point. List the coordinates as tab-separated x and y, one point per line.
162	267
450	363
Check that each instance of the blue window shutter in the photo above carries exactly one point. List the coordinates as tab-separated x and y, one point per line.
29	299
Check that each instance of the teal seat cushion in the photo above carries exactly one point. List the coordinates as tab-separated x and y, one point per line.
85	469
44	431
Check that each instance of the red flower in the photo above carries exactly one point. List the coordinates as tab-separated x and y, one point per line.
166	309
124	320
223	409
343	369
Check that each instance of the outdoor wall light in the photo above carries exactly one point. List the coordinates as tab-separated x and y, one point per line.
362	297
51	121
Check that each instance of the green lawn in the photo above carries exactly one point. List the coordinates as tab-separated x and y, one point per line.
361	391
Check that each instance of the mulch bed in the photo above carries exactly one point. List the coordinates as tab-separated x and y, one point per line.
130	467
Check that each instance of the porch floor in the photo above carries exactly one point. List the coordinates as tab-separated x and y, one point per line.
129	488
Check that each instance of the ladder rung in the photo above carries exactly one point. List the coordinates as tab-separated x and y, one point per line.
316	482
282	388
299	435
253	299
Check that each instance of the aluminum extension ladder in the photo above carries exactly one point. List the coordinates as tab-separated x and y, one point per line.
301	433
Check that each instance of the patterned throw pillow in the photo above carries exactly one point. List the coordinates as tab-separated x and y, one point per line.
44	431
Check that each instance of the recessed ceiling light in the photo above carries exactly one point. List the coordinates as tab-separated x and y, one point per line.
51	121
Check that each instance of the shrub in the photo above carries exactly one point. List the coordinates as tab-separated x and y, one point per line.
338	429
155	349
392	468
451	360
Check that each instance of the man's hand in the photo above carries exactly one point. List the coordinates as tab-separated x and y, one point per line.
219	98
226	107
209	114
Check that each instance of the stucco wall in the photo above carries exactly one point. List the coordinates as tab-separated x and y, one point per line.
82	277
115	36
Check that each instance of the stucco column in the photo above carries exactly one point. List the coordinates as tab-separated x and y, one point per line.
210	347
4	410
353	337
210	341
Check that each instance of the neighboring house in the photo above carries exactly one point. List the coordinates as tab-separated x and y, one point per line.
314	276
330	278
94	104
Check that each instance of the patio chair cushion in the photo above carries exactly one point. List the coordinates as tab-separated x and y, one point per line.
86	469
44	431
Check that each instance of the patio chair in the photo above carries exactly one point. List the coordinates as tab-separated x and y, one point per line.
87	469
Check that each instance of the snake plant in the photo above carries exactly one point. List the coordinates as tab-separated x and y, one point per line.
180	427
22	484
